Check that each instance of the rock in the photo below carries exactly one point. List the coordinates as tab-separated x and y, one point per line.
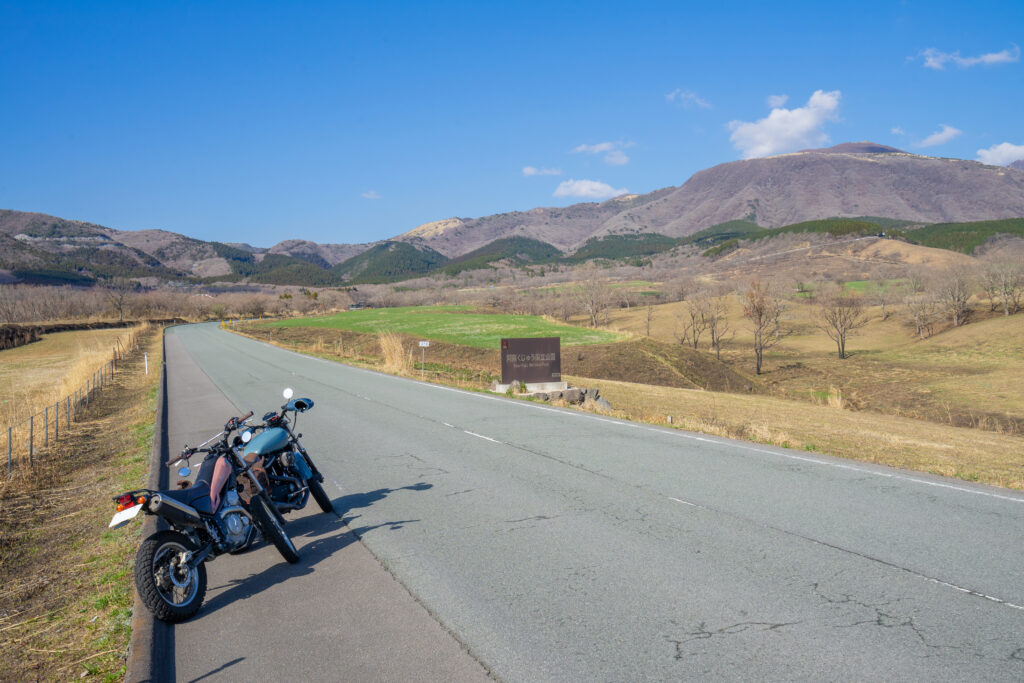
573	395
603	404
540	396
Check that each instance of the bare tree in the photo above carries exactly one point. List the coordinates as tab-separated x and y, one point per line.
839	315
594	296
924	312
9	305
882	295
763	308
693	319
954	291
652	301
718	324
117	291
916	280
1004	281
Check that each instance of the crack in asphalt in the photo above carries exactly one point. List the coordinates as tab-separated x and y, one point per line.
702	633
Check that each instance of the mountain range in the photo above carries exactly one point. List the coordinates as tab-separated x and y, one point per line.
848	180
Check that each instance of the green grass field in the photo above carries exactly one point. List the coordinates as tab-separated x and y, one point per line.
453	324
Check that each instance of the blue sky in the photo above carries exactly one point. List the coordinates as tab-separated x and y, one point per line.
352	122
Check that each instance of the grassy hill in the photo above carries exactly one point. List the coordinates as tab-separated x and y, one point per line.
388	262
514	250
962	237
619	247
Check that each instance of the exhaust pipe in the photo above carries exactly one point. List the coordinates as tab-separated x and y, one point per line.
174	511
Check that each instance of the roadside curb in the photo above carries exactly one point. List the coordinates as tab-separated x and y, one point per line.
151	649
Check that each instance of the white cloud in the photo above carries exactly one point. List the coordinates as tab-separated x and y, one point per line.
616	157
787	130
587	189
937	59
530	170
612	151
688	99
896	130
594	149
372	194
776	101
940	137
1002	154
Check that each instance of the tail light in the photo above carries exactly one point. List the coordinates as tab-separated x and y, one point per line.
125	501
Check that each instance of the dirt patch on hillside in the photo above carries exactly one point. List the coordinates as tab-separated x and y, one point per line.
647	361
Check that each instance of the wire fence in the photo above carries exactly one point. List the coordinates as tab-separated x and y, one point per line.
29	440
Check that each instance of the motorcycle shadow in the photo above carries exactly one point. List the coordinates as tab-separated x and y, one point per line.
345	504
317	537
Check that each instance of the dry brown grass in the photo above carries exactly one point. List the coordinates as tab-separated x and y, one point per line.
968	454
65	580
396	359
41	373
49	372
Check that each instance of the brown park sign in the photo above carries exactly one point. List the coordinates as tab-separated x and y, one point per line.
532	360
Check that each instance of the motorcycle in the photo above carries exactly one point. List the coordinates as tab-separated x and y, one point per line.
292	474
207	519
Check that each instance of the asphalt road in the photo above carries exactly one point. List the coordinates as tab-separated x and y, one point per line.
558	545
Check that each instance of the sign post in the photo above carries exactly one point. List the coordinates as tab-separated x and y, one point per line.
423	356
535	360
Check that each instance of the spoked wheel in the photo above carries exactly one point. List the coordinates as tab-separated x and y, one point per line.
319	495
171	588
273	531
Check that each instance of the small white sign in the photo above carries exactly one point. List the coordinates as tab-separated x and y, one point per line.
424	343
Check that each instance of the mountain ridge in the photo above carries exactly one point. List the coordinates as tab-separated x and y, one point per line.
847	180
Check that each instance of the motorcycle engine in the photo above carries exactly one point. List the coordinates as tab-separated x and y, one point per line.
235	524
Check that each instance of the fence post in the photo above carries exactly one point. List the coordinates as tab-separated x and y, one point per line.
67	411
31	438
10	462
46	426
87	390
56	421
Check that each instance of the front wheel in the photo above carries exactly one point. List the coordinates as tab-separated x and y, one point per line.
172	589
273	530
319	495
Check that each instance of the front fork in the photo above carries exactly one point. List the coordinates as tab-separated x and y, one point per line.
305	456
259	490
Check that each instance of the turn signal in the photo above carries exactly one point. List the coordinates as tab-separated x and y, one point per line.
141	500
120	507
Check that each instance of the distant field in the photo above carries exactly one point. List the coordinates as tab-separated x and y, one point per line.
43	366
454	324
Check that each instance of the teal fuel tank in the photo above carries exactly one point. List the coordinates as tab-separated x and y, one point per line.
267	441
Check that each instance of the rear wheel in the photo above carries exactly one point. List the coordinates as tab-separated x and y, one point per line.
273	531
319	495
171	588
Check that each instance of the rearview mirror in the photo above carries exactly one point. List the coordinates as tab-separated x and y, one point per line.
288	393
246	436
184	472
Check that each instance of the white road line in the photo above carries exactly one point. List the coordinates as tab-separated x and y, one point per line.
970	592
481	436
693	505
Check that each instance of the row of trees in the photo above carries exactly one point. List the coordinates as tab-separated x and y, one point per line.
126	300
928	301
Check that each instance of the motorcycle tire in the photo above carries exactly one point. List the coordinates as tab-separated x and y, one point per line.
273	531
319	495
170	594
